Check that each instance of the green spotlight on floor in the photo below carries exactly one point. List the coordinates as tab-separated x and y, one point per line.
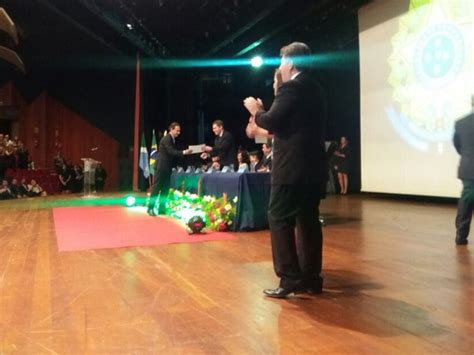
130	201
256	62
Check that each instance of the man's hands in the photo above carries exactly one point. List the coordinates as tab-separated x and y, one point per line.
251	128
253	105
205	152
187	151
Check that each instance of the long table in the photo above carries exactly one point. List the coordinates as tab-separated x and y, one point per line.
252	190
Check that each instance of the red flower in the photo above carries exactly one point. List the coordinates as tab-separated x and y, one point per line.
222	210
212	218
222	226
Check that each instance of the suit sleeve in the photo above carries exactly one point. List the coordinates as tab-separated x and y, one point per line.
167	146
278	114
457	141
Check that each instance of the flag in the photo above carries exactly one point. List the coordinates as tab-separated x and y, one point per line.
153	154
144	165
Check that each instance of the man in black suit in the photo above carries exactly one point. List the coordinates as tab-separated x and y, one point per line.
297	118
266	163
464	143
163	167
224	148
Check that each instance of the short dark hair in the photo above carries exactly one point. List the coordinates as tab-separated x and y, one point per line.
219	123
268	143
173	125
254	153
295	51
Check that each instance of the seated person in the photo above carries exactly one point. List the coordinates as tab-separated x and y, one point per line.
244	161
266	164
5	191
16	190
35	190
216	166
23	188
255	163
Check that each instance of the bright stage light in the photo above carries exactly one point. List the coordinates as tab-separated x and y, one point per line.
256	62
130	201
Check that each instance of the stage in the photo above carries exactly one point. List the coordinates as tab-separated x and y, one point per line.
395	283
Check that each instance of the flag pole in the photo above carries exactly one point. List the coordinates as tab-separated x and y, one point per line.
136	149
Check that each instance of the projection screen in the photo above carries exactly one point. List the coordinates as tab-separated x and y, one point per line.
417	79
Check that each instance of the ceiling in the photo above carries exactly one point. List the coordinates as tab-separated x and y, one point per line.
54	30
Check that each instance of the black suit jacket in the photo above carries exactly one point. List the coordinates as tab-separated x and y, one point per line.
167	156
266	162
224	148
464	144
297	118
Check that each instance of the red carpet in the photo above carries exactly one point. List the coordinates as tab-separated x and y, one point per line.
85	228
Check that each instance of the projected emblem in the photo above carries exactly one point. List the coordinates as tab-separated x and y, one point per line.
439	55
429	74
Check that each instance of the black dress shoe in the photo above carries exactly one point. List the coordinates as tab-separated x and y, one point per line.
151	211
315	289
461	241
282	292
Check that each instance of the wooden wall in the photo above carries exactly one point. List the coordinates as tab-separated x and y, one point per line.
47	126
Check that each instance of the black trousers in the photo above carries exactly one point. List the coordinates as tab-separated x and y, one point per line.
296	234
465	208
161	187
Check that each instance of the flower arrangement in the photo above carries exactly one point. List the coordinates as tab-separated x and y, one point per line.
218	213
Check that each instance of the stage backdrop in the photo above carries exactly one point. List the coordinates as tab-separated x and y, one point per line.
416	68
47	126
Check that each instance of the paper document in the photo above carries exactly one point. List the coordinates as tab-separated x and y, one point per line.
199	148
261	139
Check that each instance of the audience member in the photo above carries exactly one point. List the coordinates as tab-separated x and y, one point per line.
17	192
65	179
35	190
22	156
23	188
342	154
5	191
266	165
100	177
244	161
254	161
77	179
58	162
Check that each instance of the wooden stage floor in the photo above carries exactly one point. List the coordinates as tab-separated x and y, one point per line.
395	283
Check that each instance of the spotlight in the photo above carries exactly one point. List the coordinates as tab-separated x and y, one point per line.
256	62
129	26
130	201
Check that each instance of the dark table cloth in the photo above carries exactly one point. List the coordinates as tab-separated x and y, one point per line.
252	190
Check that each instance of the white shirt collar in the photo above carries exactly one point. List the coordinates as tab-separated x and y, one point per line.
295	75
